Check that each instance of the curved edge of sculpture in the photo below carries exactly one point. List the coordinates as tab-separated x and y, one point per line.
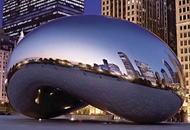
53	94
56	85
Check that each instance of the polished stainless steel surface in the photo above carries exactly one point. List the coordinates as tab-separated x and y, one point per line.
104	46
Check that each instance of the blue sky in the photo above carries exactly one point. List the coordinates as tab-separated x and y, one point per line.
91	7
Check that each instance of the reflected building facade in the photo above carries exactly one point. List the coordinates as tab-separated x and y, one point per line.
172	73
171	79
131	72
166	79
159	80
29	14
146	71
108	67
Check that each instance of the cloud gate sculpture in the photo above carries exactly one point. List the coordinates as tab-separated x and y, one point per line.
112	64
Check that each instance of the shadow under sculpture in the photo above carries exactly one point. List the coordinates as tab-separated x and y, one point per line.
112	64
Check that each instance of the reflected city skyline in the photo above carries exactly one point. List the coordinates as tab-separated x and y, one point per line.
129	57
152	79
133	44
112	64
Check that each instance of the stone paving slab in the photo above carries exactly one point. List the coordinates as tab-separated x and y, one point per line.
25	123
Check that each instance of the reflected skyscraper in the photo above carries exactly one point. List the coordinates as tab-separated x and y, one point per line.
167	80
105	62
29	14
177	67
109	67
172	73
128	65
146	71
159	80
114	69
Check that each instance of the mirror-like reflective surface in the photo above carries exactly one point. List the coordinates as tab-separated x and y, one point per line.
105	46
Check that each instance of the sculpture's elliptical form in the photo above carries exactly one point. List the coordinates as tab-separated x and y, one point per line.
109	63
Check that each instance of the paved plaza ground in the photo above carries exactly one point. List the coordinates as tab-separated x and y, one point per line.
25	123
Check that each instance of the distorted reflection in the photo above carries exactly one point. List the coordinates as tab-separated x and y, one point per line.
144	76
